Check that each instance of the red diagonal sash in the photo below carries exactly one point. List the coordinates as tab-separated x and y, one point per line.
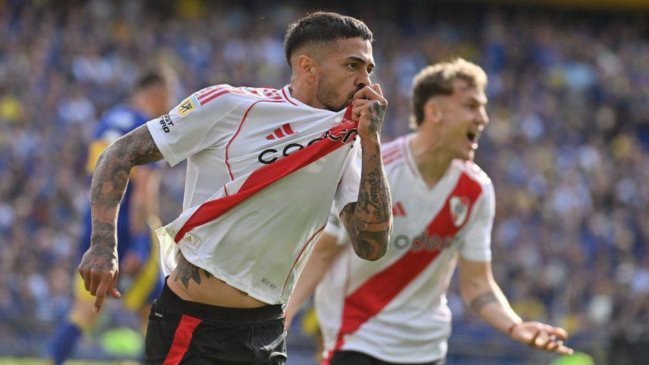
373	295
268	174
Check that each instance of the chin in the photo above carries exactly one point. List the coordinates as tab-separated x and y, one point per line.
334	108
467	156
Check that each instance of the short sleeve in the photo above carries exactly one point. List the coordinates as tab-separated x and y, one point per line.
347	191
476	239
190	127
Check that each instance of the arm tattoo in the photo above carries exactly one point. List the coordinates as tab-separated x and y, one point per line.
186	271
378	111
111	177
102	233
482	300
368	221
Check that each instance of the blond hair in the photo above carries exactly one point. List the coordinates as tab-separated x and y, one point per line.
438	79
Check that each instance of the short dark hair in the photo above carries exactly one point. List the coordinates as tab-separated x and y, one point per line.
323	27
438	79
148	79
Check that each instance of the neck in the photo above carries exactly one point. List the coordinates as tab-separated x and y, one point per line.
431	158
302	92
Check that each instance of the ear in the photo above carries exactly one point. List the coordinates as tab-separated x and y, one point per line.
306	68
433	111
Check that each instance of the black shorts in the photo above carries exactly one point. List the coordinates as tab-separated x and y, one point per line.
183	332
359	358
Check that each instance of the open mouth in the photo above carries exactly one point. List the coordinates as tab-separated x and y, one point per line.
472	136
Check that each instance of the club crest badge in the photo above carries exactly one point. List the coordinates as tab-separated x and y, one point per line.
459	209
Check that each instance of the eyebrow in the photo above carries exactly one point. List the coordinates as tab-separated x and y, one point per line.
361	60
480	101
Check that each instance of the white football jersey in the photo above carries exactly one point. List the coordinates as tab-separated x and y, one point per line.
395	309
262	172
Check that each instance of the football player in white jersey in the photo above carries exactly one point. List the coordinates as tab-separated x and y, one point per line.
264	167
394	311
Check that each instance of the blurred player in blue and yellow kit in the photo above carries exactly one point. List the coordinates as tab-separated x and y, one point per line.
137	253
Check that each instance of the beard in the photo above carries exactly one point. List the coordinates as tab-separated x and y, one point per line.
327	95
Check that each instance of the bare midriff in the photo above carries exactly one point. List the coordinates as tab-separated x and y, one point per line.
212	291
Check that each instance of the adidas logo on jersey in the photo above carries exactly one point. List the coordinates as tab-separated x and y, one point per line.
281	132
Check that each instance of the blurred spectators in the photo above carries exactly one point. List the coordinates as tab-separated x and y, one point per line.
566	148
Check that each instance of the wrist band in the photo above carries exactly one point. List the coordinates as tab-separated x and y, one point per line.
512	327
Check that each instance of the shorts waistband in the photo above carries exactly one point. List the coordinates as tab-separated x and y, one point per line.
168	298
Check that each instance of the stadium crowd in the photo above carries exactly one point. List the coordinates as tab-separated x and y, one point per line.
566	146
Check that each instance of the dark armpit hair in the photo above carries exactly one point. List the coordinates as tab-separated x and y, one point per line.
323	27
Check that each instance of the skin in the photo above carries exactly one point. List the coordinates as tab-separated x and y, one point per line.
328	75
449	121
339	73
483	295
153	100
98	266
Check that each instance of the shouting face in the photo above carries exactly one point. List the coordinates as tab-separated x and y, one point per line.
462	118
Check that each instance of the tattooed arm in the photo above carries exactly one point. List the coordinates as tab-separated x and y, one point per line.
368	221
482	294
485	298
98	266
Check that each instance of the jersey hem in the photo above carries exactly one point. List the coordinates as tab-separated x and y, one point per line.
233	282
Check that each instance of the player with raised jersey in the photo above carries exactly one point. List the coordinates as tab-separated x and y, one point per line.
263	168
394	311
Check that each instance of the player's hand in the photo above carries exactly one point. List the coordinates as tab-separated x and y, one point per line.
99	271
541	336
368	107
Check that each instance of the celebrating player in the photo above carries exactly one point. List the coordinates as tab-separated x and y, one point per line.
264	166
151	97
394	310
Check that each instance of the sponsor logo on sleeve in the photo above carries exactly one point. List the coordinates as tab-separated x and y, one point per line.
187	106
166	123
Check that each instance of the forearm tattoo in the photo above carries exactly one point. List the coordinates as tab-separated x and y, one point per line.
103	233
368	221
111	177
186	271
482	300
378	111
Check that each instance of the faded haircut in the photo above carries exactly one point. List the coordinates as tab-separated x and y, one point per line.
323	27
